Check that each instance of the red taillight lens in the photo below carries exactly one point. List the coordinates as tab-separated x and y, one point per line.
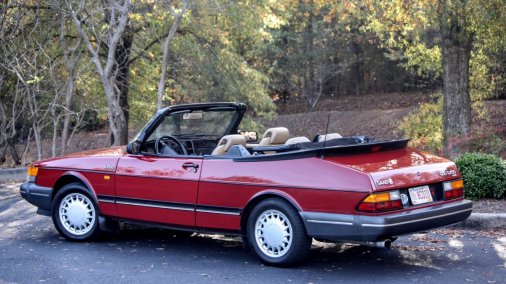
454	193
453	189
368	207
380	202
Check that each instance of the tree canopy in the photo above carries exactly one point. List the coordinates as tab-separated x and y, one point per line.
69	65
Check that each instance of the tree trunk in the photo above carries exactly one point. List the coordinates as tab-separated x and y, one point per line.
27	147
117	22
71	56
456	44
457	103
166	50
117	122
122	79
56	123
8	133
14	153
308	84
69	92
358	67
3	150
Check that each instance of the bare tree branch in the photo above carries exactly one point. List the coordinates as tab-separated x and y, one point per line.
111	38
166	50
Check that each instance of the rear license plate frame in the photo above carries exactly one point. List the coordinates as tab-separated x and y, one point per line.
420	195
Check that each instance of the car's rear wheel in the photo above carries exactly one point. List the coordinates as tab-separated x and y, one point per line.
277	234
75	213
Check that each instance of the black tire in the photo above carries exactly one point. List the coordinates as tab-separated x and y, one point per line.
275	217
78	207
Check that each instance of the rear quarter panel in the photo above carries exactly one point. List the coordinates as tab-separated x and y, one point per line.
311	184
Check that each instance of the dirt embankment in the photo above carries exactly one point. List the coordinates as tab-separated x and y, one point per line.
370	102
380	124
375	115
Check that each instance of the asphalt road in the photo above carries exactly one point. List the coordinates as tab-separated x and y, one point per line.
31	251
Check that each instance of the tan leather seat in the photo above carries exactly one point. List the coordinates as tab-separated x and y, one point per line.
329	136
295	140
226	142
275	136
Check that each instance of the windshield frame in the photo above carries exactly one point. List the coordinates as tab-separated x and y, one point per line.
213	124
151	126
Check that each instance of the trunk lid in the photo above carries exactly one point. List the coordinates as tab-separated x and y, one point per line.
401	168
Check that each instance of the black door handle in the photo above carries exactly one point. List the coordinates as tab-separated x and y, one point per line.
191	167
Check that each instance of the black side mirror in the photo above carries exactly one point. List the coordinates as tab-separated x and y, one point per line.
133	147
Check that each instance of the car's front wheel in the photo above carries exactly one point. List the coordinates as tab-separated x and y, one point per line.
277	234
75	214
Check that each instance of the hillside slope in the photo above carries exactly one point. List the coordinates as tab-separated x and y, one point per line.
376	115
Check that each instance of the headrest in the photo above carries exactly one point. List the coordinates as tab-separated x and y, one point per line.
295	140
277	135
329	136
231	140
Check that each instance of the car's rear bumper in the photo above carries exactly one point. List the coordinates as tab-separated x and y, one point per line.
39	196
342	227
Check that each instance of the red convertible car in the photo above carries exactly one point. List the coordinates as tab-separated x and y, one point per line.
189	169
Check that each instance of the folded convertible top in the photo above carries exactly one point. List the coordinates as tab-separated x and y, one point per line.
339	146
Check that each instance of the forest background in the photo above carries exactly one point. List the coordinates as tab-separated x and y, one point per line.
74	69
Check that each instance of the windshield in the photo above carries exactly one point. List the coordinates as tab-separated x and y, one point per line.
195	123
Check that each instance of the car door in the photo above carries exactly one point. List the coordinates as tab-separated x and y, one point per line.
158	189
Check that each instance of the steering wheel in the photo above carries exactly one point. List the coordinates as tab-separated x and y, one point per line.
159	141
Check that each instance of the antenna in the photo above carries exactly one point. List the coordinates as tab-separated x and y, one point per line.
326	132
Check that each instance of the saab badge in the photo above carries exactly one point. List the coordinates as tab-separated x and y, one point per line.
387	181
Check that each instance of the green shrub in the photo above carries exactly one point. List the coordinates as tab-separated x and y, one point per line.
484	175
425	126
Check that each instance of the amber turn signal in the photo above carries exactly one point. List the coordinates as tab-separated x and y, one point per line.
458	183
454	189
32	173
380	202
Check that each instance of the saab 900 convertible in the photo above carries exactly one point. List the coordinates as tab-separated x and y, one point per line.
189	169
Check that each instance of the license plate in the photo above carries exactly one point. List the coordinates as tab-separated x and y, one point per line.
420	195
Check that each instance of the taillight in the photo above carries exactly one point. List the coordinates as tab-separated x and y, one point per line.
453	189
380	202
32	173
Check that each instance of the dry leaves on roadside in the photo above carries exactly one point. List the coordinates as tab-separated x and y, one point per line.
421	248
426	238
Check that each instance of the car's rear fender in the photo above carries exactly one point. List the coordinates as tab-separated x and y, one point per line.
263	195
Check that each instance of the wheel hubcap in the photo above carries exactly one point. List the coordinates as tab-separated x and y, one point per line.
273	233
77	214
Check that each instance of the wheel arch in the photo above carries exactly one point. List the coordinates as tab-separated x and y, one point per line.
70	177
261	196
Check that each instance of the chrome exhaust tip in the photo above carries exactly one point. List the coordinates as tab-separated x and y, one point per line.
387	243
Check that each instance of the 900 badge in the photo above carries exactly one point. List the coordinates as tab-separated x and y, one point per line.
448	173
